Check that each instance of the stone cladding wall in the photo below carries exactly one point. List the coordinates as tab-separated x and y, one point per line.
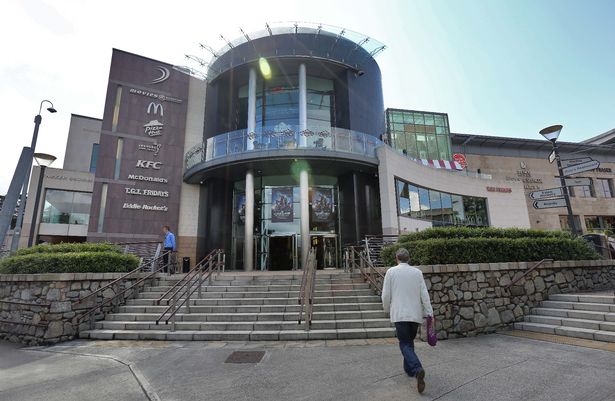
44	309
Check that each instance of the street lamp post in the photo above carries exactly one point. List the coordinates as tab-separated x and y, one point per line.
43	160
551	134
37	122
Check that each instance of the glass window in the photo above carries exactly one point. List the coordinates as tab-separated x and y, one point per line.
459	216
424	203
481	212
421	143
604	187
66	207
94	158
469	210
447	208
320	102
426	134
429	120
441	208
444	151
585	191
415	204
563	221
436	205
432	145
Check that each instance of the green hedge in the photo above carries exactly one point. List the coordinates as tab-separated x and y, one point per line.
70	262
483	232
443	246
69	248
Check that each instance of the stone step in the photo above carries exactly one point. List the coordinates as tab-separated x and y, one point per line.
242	335
196	308
596	307
275	301
576	332
589	298
263	294
575	314
248	317
243	326
579	323
216	287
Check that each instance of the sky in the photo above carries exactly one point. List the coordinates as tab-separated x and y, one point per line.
503	68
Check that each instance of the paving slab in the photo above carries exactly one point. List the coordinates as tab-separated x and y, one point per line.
489	367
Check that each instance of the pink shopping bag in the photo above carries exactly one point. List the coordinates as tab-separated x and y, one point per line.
432	338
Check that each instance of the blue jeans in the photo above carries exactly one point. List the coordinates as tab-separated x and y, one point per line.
406	332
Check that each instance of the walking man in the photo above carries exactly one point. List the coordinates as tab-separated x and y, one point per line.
169	247
405	298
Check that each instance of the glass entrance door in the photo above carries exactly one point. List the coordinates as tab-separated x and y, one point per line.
282	253
325	246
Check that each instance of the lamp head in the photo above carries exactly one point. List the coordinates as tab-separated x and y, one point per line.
51	110
44	159
551	133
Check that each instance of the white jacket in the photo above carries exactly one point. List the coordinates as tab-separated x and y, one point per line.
404	294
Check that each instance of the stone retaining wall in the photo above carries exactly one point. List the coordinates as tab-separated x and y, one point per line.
43	308
474	298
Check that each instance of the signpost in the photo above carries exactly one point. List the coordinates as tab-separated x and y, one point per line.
547	193
579	168
577	182
552	156
551	203
572	162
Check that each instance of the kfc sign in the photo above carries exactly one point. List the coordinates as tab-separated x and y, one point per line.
149	164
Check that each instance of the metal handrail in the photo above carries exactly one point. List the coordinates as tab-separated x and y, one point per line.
121	278
368	271
528	271
308	284
214	261
183	279
108	301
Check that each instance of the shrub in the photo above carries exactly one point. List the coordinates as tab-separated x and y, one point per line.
69	248
441	246
482	232
69	262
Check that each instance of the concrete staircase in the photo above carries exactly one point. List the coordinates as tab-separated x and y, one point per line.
258	306
589	316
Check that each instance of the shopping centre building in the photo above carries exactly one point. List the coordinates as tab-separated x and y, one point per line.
287	145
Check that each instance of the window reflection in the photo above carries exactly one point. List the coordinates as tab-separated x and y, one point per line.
66	207
441	208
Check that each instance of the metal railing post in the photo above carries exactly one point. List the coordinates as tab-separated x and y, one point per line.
199	274
188	296
210	269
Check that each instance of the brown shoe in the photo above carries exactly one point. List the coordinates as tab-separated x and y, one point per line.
420	381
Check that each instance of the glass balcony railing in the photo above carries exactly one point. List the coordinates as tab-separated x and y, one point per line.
289	137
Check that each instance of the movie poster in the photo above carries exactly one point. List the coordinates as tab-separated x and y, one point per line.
322	204
240	207
282	205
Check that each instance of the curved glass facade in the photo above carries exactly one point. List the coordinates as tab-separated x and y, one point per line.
441	208
272	138
277	102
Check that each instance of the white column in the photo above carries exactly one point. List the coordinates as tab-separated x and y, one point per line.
251	108
305	215
302	104
248	242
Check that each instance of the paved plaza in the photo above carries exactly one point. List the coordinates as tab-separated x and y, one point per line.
490	367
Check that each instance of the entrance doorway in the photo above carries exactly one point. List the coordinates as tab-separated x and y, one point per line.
282	252
326	250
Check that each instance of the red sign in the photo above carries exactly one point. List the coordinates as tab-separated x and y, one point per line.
461	159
